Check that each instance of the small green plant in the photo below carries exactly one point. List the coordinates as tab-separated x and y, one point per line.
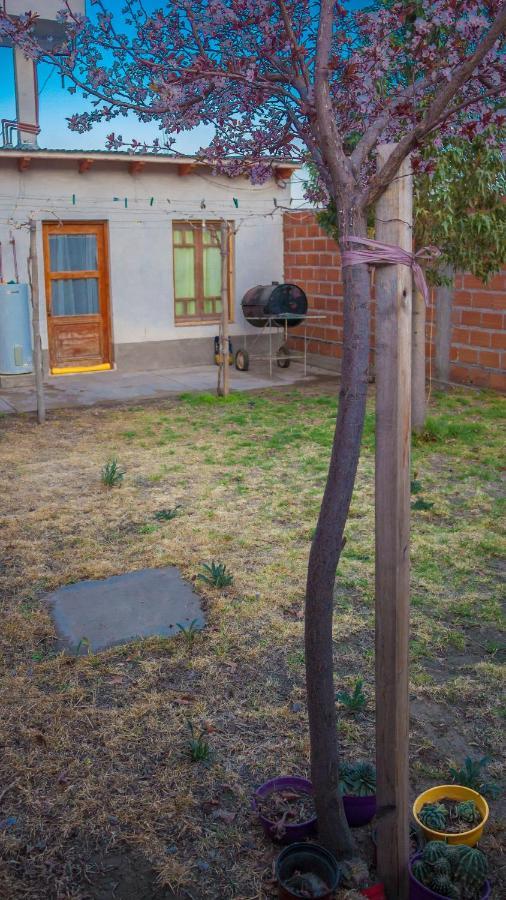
216	575
421	504
84	642
356	700
357	779
454	871
471	774
148	528
198	747
434	816
468	812
165	515
189	632
111	474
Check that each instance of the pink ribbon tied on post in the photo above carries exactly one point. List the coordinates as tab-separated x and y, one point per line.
380	254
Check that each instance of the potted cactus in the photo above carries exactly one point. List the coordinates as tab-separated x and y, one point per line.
451	813
357	783
441	870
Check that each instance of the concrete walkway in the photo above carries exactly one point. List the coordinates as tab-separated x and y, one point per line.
96	388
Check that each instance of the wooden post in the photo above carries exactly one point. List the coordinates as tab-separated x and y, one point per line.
444	299
418	399
393	434
33	277
224	308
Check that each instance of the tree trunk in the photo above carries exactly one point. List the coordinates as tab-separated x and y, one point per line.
333	829
418	399
444	299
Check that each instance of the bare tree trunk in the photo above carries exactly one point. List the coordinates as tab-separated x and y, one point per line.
418	399
444	299
33	275
334	832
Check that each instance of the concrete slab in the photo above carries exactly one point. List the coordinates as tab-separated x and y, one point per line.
66	391
119	609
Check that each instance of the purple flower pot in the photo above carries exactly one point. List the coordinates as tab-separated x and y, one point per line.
418	891
359	810
295	832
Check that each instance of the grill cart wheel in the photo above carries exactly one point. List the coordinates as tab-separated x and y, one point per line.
283	357
242	360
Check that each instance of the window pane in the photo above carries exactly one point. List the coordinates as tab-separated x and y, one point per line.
191	308
74	297
212	272
179	308
73	252
212	237
184	272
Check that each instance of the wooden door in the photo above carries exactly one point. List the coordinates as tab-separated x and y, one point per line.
77	296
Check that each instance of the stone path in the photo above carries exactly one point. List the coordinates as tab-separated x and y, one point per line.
99	614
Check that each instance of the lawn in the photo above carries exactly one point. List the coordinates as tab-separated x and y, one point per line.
99	796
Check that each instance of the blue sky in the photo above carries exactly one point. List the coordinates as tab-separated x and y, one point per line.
55	104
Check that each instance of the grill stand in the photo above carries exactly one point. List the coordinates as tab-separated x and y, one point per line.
274	329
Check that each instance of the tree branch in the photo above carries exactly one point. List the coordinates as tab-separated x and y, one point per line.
330	140
435	115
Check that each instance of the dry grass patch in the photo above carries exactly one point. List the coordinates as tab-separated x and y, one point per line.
95	749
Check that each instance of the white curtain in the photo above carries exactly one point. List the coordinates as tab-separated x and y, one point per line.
74	253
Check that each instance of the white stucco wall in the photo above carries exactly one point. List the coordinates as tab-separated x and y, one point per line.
140	234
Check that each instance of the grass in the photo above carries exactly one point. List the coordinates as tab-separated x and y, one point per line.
95	751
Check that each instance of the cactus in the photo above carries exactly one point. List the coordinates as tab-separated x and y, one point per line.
468	812
357	779
435	850
457	872
433	815
471	871
442	884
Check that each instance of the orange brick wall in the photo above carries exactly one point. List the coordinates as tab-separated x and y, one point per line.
478	347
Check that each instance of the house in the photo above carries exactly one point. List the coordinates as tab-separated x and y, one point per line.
127	245
128	251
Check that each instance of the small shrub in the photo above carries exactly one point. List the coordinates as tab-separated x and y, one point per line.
471	775
198	747
356	700
190	632
216	575
165	515
111	474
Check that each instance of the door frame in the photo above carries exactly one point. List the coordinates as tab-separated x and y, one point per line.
80	226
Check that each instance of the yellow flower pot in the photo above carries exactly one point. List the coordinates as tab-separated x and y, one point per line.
454	792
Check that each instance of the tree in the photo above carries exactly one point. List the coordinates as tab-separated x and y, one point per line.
458	208
285	78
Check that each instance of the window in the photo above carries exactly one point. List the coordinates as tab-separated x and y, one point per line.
197	271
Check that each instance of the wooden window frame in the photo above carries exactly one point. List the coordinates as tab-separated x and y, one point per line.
200	317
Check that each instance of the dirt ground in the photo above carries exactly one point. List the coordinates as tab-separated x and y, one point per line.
99	797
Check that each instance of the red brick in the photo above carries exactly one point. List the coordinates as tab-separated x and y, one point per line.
486	300
497	381
479	338
461	335
490	359
491	320
470	317
498	339
467	354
